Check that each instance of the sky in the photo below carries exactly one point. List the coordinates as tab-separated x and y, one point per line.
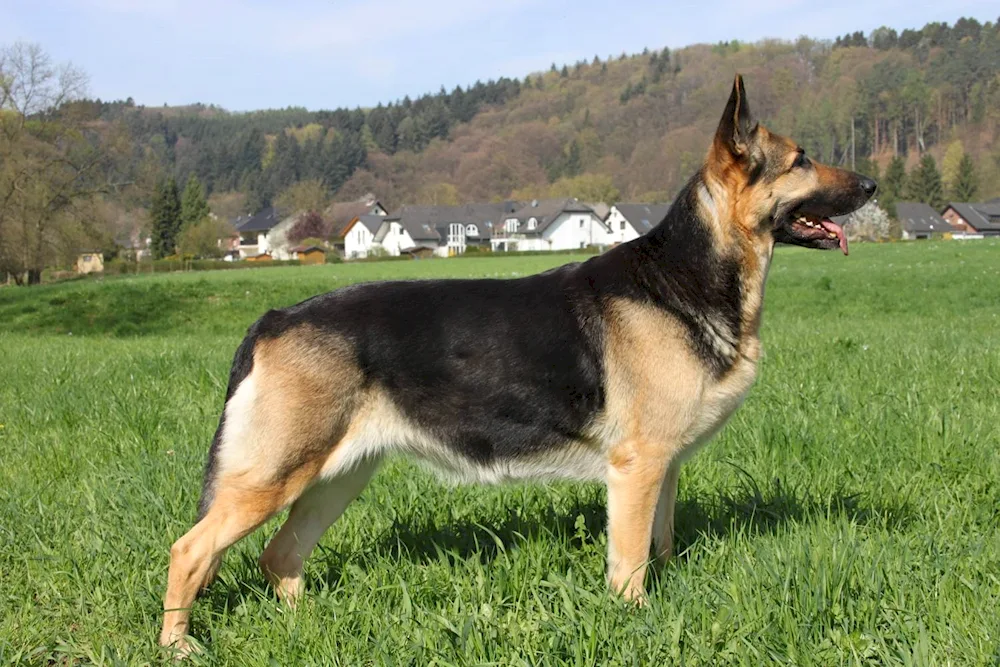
255	54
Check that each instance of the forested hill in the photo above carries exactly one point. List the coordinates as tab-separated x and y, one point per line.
635	124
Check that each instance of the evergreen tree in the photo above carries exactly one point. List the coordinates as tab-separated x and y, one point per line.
564	72
165	215
435	121
966	184
574	164
893	185
925	183
194	207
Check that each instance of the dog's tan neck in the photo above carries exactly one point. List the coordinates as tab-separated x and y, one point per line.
738	235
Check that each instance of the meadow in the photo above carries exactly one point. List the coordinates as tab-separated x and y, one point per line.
848	514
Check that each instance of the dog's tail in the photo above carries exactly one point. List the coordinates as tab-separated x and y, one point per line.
242	365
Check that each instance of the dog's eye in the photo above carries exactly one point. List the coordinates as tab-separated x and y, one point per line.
801	161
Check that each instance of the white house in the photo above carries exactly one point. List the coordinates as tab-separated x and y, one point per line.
393	237
265	233
551	224
357	222
630	221
359	235
445	230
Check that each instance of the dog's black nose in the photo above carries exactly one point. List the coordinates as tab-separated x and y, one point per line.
869	186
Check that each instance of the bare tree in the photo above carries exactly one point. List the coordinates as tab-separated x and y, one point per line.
50	165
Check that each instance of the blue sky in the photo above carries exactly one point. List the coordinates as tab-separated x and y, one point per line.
251	54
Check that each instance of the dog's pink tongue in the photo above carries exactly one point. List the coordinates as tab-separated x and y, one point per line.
838	230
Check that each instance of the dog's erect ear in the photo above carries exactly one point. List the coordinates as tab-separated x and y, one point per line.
737	127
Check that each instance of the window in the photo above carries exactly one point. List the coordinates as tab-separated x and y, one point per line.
583	244
532	224
88	258
472	230
456	238
582	221
623	225
510	226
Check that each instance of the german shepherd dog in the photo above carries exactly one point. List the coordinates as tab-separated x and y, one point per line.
614	369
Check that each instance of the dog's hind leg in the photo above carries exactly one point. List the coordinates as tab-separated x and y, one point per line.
237	510
310	517
279	427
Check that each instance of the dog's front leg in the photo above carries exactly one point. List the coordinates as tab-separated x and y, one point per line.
635	474
663	522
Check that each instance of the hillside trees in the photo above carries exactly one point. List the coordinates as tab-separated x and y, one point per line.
51	164
644	122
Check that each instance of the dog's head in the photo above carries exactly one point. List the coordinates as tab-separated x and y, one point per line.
773	188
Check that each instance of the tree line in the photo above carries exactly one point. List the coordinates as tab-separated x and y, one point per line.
892	103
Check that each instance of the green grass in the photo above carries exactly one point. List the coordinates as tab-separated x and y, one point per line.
847	515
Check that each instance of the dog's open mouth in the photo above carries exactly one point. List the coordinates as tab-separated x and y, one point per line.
817	232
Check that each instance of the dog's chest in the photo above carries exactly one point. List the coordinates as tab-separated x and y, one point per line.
722	397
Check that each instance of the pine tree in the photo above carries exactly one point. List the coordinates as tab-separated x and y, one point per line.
573	161
165	215
564	72
194	207
925	183
892	186
966	184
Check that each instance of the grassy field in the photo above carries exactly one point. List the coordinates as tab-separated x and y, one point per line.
849	513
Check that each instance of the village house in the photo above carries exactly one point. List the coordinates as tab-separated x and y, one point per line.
359	236
920	221
630	221
446	230
264	233
551	224
90	261
973	221
345	216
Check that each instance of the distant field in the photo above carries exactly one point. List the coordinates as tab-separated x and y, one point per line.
849	513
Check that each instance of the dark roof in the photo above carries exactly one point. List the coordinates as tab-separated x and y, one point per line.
643	217
372	222
546	211
307	248
264	221
342	213
430	223
920	218
981	217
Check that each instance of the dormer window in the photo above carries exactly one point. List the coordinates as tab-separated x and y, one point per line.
472	230
532	224
510	225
